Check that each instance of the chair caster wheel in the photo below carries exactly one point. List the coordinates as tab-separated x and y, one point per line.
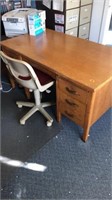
22	122
19	106
49	123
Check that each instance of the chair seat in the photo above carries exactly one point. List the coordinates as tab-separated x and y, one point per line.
43	78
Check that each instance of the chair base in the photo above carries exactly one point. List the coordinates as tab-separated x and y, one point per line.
35	108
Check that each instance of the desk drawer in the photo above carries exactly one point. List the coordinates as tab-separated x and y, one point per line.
76	113
72	105
73	91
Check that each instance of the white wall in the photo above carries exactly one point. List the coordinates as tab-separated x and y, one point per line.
106	35
96	21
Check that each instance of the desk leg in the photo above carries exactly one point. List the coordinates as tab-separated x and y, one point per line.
86	133
12	81
13	84
88	116
58	114
27	93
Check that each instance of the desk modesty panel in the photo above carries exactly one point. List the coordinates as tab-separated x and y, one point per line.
82	69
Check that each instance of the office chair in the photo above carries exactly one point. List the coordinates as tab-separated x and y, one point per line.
37	82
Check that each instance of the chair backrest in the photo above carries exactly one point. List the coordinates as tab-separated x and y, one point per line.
22	72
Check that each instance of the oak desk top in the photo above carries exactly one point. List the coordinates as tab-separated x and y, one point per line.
86	63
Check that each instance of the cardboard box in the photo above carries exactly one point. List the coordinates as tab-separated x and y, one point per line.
36	22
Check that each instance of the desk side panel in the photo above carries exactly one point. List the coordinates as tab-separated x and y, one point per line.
102	102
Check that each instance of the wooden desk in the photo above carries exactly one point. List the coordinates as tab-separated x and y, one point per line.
82	69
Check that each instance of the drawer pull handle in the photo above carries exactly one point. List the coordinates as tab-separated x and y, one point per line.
70	115
71	103
72	91
85	18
